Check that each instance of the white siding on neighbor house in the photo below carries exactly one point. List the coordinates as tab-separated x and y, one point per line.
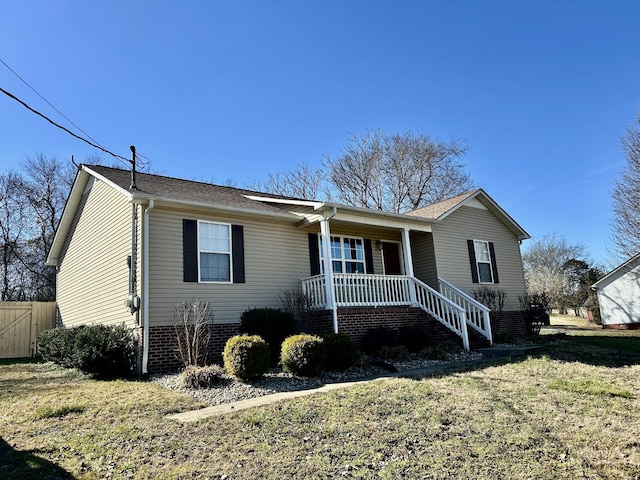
93	276
620	298
452	255
276	259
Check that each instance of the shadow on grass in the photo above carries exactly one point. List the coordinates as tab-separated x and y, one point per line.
598	349
26	465
13	361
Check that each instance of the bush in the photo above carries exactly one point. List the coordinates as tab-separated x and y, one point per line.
105	351
203	377
246	357
393	352
272	324
376	338
341	352
58	345
414	337
100	350
441	351
303	355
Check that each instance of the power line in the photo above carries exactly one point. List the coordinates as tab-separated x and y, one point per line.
115	155
47	101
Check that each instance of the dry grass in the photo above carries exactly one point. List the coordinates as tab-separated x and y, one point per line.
568	413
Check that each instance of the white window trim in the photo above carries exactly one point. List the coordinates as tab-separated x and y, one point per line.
230	253
343	260
475	251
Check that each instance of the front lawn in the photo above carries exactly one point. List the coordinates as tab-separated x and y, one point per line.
573	411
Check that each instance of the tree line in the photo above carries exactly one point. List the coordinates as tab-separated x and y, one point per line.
31	202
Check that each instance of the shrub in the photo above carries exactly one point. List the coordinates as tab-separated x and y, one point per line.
376	338
203	377
272	324
192	326
414	337
246	357
303	355
341	352
58	345
441	351
100	350
393	352
105	351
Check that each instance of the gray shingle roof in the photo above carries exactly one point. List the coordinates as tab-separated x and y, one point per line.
190	191
436	210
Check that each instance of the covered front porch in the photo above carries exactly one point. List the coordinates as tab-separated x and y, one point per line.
450	306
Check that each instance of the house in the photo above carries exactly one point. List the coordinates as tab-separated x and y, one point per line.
619	296
130	252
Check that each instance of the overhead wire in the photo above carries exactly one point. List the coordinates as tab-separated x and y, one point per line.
99	147
48	102
94	143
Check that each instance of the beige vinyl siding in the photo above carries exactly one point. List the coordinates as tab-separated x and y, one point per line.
93	277
452	255
276	259
424	259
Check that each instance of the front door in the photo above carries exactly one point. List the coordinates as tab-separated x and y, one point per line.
391	255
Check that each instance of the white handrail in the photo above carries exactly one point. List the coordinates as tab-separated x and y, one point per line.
358	290
478	315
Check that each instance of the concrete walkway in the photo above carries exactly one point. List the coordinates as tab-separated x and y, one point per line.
226	408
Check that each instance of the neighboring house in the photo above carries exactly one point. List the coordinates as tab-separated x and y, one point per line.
619	296
120	250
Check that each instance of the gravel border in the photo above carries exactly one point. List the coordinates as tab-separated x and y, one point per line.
277	381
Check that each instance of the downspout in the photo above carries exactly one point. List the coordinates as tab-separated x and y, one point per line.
328	267
145	287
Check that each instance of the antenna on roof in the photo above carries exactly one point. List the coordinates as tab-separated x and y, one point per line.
133	168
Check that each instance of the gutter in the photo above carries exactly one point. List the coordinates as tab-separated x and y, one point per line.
145	287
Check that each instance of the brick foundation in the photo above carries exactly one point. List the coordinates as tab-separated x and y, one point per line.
163	346
353	321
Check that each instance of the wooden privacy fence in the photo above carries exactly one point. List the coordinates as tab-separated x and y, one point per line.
20	323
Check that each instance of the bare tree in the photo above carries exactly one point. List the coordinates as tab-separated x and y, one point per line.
12	230
303	182
545	267
396	173
626	196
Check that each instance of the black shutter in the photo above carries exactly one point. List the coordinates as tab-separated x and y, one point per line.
190	250
314	254
237	248
368	256
472	261
494	266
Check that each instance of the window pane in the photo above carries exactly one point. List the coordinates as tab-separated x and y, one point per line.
353	249
482	251
336	249
214	237
215	267
337	267
354	267
484	273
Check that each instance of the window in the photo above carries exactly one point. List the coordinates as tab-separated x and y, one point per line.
483	262
347	255
214	252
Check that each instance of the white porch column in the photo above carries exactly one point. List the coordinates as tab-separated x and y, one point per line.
408	262
325	231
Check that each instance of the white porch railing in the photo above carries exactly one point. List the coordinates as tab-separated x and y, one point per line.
357	290
477	314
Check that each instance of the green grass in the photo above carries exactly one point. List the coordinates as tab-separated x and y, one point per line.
570	412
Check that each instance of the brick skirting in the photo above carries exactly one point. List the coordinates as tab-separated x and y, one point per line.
355	322
163	346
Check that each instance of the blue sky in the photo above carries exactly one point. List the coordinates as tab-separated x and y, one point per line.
539	91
